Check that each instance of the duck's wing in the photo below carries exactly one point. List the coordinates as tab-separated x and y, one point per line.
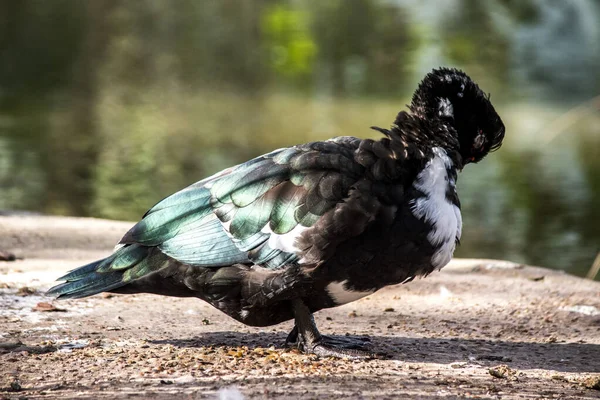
291	206
253	213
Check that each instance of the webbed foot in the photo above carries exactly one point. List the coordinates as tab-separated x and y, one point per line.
328	346
307	339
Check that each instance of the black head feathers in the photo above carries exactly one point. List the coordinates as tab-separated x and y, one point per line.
451	97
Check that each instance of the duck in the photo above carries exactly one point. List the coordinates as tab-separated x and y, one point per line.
312	226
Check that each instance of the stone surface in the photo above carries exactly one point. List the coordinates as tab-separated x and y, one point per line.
477	329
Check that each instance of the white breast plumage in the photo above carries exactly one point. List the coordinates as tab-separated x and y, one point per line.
436	209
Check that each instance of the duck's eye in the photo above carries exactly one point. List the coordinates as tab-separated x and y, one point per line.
479	140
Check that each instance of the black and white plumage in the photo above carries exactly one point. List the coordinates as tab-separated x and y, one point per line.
315	225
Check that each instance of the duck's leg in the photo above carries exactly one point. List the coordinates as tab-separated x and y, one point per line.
308	339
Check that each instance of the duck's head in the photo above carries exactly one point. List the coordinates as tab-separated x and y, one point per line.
452	97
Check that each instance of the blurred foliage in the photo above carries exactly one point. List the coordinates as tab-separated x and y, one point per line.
108	106
475	40
291	47
365	47
39	42
523	11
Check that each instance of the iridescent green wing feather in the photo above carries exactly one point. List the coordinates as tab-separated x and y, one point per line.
250	214
244	215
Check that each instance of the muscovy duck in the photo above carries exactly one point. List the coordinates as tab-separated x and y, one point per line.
312	226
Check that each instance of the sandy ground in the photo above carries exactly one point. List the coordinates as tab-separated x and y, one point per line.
479	329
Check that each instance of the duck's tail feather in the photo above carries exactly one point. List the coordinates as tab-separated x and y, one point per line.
119	269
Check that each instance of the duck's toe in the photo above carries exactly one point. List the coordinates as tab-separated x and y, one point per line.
341	347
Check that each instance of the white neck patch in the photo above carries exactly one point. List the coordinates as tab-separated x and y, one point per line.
436	209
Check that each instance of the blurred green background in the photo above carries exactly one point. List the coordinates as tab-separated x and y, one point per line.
108	106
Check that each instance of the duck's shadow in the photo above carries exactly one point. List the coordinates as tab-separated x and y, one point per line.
565	357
